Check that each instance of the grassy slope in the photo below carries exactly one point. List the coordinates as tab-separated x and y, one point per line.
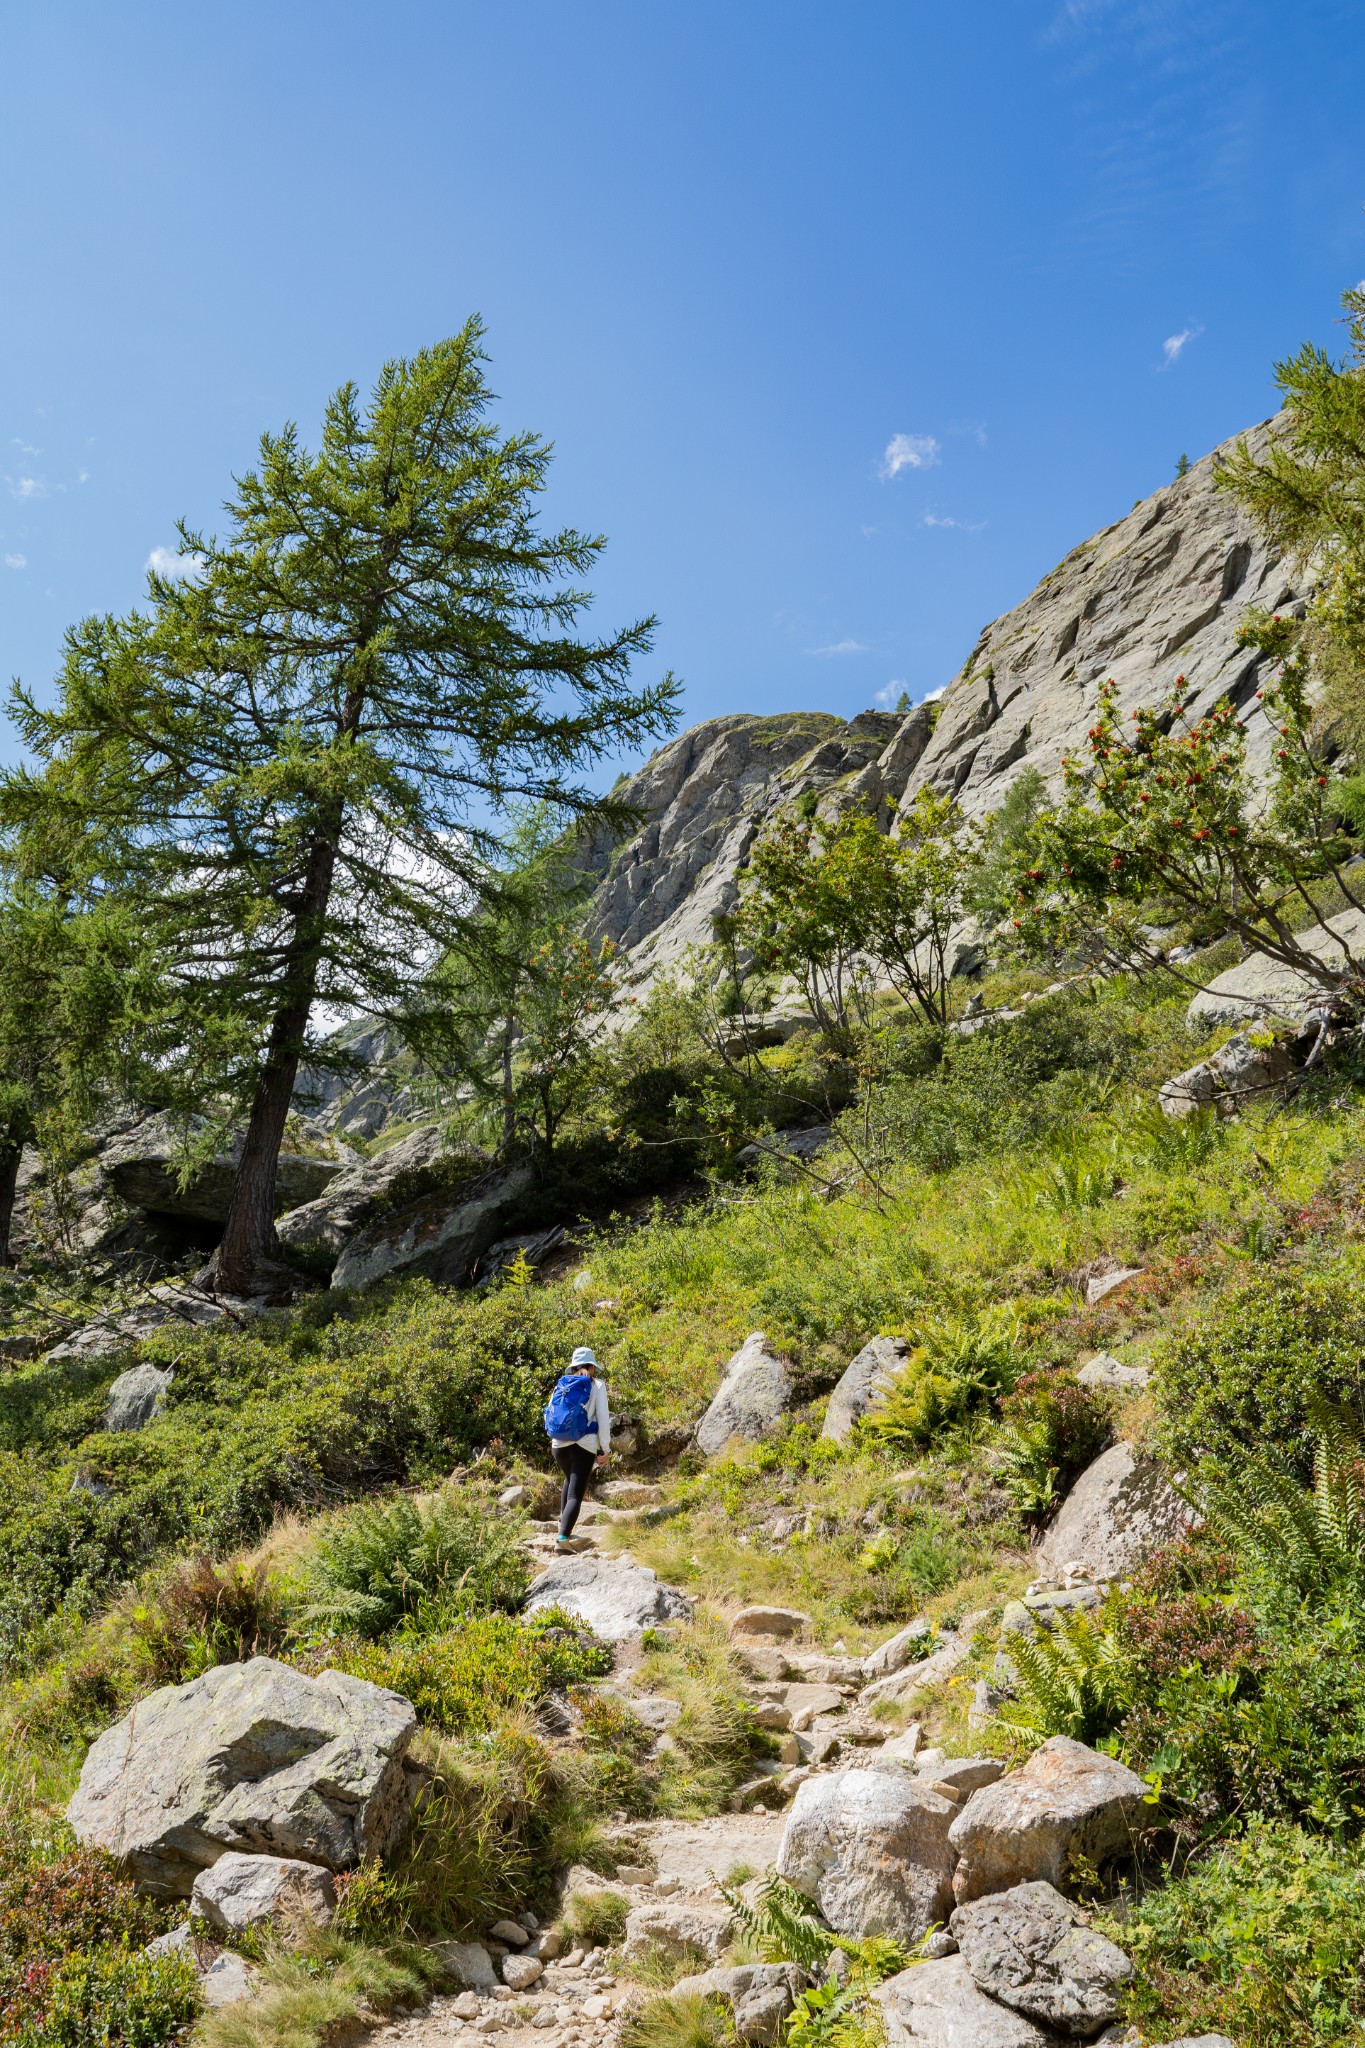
353	1397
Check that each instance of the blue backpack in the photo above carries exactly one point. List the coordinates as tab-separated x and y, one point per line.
566	1411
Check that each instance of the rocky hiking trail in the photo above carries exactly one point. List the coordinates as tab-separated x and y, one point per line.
244	1790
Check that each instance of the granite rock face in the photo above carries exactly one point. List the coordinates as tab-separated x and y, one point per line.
440	1237
253	1757
708	794
1066	1802
864	1385
1119	1511
1032	1949
1156	595
871	1849
750	1401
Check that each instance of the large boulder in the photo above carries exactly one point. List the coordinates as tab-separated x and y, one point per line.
254	1757
440	1237
615	1596
751	1400
1237	1074
142	1168
864	1385
871	1849
760	1996
356	1196
1120	1510
137	1397
1258	987
1032	1949
1067	1804
939	2005
239	1891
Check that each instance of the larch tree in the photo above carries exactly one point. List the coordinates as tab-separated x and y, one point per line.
296	758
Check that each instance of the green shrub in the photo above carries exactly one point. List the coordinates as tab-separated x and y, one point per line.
1249	1371
1261	1940
1053	1427
957	1363
472	1674
404	1560
105	1998
335	1401
1072	1679
203	1614
685	2020
596	1917
70	1974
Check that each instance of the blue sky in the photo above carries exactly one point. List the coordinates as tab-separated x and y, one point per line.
847	321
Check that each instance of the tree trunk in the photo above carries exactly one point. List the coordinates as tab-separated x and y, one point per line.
249	1238
509	1104
9	1176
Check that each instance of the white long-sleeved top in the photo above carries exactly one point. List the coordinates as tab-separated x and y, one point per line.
598	1437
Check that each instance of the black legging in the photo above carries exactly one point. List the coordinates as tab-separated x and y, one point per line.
576	1464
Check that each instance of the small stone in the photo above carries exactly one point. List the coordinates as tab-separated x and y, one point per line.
509	1931
179	1941
514	1497
469	1963
521	1972
466	2005
489	2022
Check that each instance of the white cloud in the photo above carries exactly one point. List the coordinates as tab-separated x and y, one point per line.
908	451
16	561
961	525
166	562
1173	347
893	692
26	486
842	647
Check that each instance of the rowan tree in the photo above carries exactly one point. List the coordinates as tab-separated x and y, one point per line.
295	761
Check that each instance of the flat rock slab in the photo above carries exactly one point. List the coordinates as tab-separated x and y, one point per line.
751	1400
1032	1949
255	1757
1120	1510
1067	1802
694	1853
440	1237
938	2005
239	1891
677	1927
769	1621
864	1385
871	1849
614	1596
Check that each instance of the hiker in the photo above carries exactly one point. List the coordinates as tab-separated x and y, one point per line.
579	1423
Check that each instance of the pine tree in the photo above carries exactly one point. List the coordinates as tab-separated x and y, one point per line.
294	761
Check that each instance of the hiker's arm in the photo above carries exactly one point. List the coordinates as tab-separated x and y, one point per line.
603	1413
